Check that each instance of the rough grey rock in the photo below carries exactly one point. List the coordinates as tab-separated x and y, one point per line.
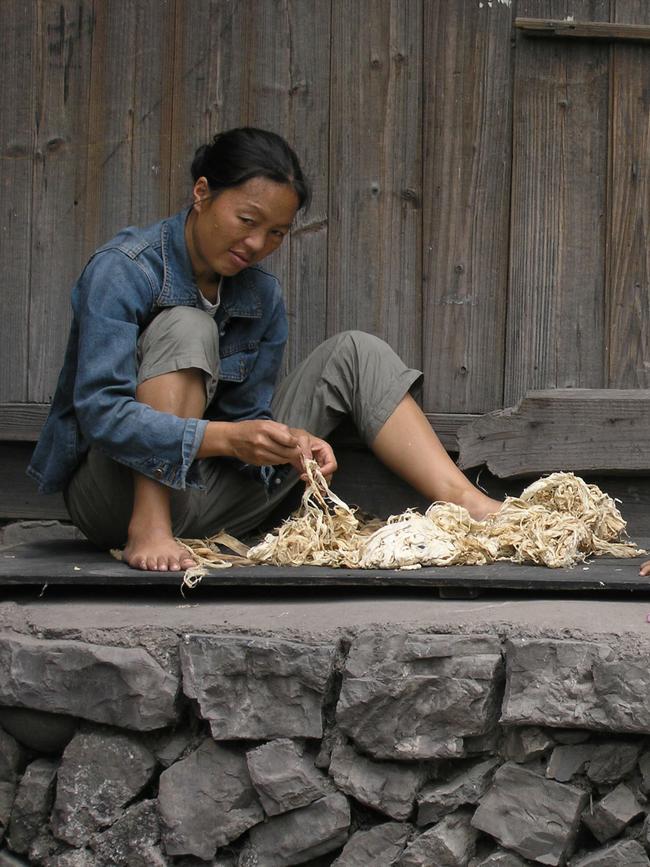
417	696
38	730
295	837
71	858
536	817
467	787
44	847
206	800
381	846
37	531
571	736
387	786
7	793
11	757
284	776
644	767
612	813
626	853
568	760
171	746
32	804
501	858
133	841
450	843
613	761
8	859
524	744
253	687
576	683
121	686
100	772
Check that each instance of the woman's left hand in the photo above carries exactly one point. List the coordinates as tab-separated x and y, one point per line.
319	450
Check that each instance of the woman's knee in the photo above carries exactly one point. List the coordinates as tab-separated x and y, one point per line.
180	337
362	345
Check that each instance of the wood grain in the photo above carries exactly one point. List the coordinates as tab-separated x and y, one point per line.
59	200
20	73
583	430
555	330
628	273
467	115
583	30
374	271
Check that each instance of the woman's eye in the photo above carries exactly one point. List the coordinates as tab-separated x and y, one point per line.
247	220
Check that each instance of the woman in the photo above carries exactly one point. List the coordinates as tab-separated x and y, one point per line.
166	421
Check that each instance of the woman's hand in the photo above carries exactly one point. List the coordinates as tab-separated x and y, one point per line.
318	449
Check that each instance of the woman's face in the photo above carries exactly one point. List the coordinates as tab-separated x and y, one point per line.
239	226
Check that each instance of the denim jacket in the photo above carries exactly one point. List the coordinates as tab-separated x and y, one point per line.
124	285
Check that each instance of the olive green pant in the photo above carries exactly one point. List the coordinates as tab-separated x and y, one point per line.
352	374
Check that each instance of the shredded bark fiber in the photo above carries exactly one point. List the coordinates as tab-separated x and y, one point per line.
558	521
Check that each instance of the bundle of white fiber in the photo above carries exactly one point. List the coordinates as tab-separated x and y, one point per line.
558	521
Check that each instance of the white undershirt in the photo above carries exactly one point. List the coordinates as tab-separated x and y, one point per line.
208	306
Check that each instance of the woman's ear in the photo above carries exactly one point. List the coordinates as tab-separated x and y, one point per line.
200	192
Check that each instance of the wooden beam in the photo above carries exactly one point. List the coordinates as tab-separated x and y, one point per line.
582	430
22	422
602	30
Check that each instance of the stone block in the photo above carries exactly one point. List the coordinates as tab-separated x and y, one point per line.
612	761
467	787
613	813
386	786
38	730
206	800
417	696
380	846
32	804
133	841
524	744
71	858
567	760
170	746
501	858
125	687
536	817
626	853
7	794
8	859
576	683
100	772
11	757
284	776
255	687
300	835
450	843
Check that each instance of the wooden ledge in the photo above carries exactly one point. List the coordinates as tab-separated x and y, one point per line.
601	30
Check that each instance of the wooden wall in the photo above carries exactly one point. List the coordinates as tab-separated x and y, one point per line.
481	198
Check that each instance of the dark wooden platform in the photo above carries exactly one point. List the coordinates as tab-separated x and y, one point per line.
77	563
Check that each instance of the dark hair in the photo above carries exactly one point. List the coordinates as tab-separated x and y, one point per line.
236	156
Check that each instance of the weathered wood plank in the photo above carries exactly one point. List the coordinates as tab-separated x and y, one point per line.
152	85
20	71
555	332
22	422
59	202
308	131
583	430
107	203
375	227
628	274
583	29
467	132
19	497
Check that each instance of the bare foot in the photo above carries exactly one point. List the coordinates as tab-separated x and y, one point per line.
645	568
480	506
157	551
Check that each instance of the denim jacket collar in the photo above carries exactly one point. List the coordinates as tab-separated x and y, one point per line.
239	297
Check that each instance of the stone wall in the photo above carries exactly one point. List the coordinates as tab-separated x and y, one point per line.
381	748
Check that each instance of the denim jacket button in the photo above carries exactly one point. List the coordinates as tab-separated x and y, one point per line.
158	472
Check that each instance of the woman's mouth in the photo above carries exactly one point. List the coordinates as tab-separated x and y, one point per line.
239	258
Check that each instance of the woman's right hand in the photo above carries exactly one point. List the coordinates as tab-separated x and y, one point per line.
259	442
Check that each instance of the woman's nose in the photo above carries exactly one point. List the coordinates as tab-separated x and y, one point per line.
256	241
